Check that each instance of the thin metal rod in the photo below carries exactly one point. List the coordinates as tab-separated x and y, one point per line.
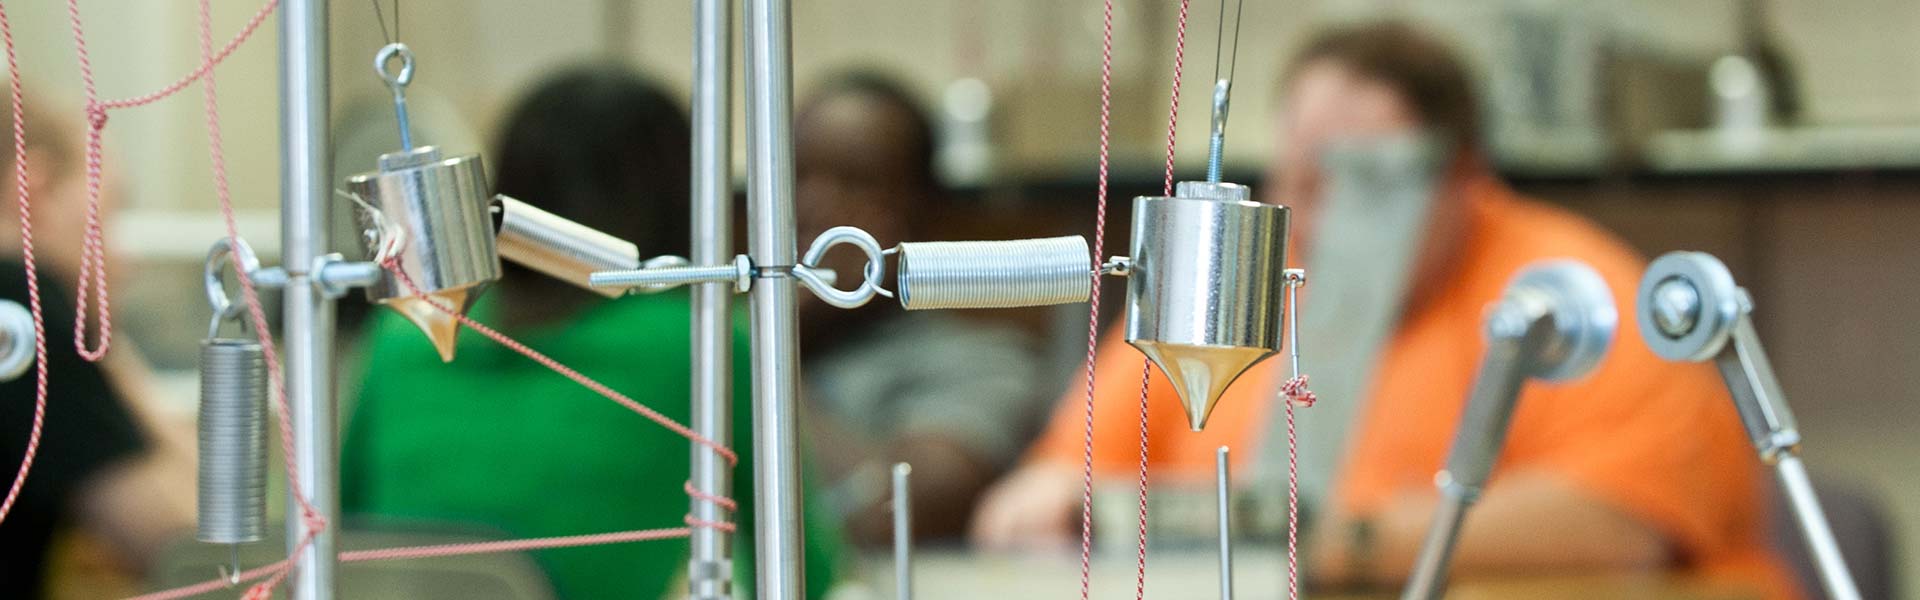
1430	569
1813	526
1477	441
776	345
307	326
902	533
710	572
1223	495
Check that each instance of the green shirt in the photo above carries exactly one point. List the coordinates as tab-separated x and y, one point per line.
498	440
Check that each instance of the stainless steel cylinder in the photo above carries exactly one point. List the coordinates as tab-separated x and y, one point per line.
443	207
1204	299
994	274
439	207
559	248
233	442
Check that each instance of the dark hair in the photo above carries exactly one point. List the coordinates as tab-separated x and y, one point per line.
1424	69
601	145
872	84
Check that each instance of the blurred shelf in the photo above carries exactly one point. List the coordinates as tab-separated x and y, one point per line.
1791	150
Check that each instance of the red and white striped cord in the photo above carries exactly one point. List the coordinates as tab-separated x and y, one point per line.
733	459
96	118
92	277
1093	311
312	521
23	200
1146	366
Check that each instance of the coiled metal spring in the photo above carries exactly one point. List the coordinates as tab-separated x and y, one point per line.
995	274
233	441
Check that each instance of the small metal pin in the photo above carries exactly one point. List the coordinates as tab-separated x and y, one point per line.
397	81
1295	279
1224	496
902	533
231	571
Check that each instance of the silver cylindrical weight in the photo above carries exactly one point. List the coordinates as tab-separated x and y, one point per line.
560	248
1204	300
233	441
443	207
995	274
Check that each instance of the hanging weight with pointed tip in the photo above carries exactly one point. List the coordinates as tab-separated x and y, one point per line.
440	209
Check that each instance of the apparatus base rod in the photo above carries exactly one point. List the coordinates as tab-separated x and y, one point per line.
1813	525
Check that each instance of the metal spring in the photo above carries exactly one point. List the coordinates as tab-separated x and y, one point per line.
995	274
233	441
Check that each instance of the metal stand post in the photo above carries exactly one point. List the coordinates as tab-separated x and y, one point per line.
776	345
710	572
307	326
1555	323
1692	310
902	533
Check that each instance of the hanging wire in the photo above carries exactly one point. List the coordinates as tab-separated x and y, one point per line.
1220	39
381	17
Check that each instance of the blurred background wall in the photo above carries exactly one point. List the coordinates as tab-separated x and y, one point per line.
1605	106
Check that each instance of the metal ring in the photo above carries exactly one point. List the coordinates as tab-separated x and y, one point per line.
243	258
874	271
667	261
386	54
1719	302
16	345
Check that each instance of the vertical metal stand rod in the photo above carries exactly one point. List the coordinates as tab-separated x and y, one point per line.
1430	569
710	570
1834	575
307	326
1477	443
778	547
902	533
1223	495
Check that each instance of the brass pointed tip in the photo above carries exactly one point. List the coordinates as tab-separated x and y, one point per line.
442	329
1200	374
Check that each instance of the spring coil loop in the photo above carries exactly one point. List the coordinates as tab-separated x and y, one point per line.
995	274
233	441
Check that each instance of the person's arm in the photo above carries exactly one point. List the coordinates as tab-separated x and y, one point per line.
1034	507
1530	522
1642	465
966	396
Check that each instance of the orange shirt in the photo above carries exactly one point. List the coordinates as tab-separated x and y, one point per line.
1661	441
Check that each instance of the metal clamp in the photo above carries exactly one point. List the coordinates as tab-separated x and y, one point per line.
810	276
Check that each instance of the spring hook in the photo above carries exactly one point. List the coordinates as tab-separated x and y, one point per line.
814	278
397	81
232	494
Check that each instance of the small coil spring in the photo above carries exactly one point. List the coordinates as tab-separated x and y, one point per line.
995	274
233	441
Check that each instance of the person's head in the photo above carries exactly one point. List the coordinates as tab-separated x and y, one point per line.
604	146
864	156
57	184
1374	80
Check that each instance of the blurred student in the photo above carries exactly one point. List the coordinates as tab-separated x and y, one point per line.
954	397
1641	465
495	439
108	464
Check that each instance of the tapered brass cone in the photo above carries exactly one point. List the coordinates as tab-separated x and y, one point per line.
1200	373
442	329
